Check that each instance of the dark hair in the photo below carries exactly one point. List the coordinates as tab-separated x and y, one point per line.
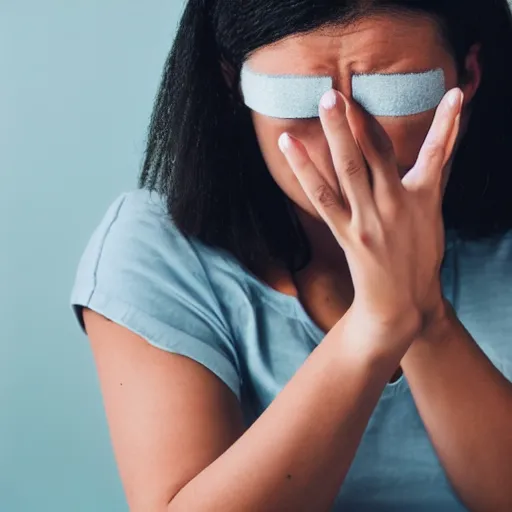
202	152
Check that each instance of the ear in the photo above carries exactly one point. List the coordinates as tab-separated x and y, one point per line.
473	75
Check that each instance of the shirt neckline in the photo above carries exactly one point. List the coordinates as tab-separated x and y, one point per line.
292	307
291	304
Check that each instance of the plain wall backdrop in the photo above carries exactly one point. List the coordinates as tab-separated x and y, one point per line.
77	84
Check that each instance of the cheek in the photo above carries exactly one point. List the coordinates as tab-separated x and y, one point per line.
268	131
407	135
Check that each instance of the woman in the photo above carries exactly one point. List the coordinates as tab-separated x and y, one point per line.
324	324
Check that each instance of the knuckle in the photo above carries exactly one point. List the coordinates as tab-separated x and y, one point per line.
433	151
365	238
324	195
367	234
352	168
393	211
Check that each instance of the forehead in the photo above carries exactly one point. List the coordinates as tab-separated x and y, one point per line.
374	44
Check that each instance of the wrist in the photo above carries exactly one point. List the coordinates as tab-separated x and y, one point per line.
437	319
381	341
434	335
400	326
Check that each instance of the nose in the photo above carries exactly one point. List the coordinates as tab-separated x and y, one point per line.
342	82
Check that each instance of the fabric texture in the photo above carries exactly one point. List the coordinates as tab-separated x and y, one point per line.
187	298
296	96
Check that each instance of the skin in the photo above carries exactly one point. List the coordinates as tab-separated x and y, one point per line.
365	47
472	441
178	431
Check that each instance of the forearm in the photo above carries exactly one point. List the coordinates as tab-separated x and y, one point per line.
296	454
466	406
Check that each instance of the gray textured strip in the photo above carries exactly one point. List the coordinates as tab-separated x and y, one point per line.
285	96
399	94
298	96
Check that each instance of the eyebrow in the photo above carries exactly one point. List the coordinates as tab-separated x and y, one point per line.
285	75
376	70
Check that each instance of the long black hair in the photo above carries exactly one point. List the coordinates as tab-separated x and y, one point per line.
202	152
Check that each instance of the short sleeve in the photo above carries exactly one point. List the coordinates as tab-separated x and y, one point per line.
140	272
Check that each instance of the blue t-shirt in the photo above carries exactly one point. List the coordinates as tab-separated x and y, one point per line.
185	297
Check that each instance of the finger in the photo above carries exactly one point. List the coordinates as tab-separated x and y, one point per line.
434	153
450	147
378	151
348	162
451	150
319	192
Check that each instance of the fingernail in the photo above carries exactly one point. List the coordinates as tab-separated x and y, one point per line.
328	100
284	142
454	97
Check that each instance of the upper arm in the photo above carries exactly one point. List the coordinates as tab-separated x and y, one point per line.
169	416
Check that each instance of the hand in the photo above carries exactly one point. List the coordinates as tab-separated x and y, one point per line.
390	229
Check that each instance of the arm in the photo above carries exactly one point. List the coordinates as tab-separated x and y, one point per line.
178	435
466	406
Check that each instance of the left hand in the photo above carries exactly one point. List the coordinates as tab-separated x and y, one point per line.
391	230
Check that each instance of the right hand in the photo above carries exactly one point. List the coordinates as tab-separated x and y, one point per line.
392	230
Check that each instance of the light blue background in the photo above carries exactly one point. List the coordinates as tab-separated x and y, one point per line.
77	82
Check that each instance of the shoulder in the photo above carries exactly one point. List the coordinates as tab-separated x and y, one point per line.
138	228
137	236
138	270
134	238
134	217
